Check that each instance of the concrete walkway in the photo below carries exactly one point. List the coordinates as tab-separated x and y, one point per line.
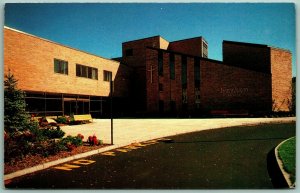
127	131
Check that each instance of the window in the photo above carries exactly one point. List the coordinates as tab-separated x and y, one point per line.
60	66
161	88
197	72
160	63
129	52
107	75
172	66
184	71
86	72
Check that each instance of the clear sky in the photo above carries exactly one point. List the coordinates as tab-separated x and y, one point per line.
101	28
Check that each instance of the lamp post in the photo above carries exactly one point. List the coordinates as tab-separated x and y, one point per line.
111	112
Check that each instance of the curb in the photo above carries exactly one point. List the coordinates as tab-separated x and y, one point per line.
280	164
60	161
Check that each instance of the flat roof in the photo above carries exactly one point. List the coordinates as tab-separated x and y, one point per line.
191	39
244	43
15	30
157	36
255	45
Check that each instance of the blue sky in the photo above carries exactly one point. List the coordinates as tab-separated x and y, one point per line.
101	28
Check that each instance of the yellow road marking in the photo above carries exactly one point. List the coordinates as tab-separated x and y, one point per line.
67	167
123	150
150	142
131	147
139	144
83	162
109	153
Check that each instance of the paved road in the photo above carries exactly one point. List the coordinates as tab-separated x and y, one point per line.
211	159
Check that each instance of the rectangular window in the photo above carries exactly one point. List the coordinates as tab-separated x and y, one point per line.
161	87
184	71
197	72
86	72
160	63
107	75
60	66
172	66
129	52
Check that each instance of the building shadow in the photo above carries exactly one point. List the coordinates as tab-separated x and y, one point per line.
222	140
274	171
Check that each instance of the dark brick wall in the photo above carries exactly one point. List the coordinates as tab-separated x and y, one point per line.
224	87
249	56
191	46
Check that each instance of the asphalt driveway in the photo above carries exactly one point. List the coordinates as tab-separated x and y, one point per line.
228	158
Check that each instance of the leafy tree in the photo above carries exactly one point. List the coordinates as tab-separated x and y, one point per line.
16	119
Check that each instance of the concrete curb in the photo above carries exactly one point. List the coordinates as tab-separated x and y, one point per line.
93	152
280	164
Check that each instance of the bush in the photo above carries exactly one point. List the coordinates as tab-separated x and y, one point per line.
62	120
53	133
71	142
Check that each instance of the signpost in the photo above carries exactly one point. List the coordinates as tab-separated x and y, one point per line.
111	112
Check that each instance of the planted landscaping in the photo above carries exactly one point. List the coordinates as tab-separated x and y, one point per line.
287	153
29	142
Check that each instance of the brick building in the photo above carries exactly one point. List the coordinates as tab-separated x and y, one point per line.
152	77
59	80
177	78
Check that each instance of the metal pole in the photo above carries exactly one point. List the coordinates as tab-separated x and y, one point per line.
111	112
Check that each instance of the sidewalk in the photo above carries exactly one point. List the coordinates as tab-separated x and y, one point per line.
127	131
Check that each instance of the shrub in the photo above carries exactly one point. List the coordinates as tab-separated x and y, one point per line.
71	142
62	120
53	133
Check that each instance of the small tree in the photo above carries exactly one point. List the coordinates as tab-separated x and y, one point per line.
16	119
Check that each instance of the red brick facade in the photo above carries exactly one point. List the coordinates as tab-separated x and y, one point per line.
281	70
31	60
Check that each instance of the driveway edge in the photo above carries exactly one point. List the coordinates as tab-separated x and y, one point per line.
280	164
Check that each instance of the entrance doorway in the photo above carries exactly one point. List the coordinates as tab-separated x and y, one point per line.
75	106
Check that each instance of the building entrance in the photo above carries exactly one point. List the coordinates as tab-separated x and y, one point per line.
73	106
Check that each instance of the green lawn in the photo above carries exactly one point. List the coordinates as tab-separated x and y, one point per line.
287	153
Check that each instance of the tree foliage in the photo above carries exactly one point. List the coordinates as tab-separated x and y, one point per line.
16	119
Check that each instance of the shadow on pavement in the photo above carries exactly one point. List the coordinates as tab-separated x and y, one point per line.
274	171
223	140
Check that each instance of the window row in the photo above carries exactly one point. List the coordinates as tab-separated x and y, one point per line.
183	67
61	66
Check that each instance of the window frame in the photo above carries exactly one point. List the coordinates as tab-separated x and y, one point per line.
62	68
83	71
105	77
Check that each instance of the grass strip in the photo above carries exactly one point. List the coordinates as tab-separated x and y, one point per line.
287	153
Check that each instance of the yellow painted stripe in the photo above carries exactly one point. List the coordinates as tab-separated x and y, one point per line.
67	167
84	162
109	153
123	150
139	144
